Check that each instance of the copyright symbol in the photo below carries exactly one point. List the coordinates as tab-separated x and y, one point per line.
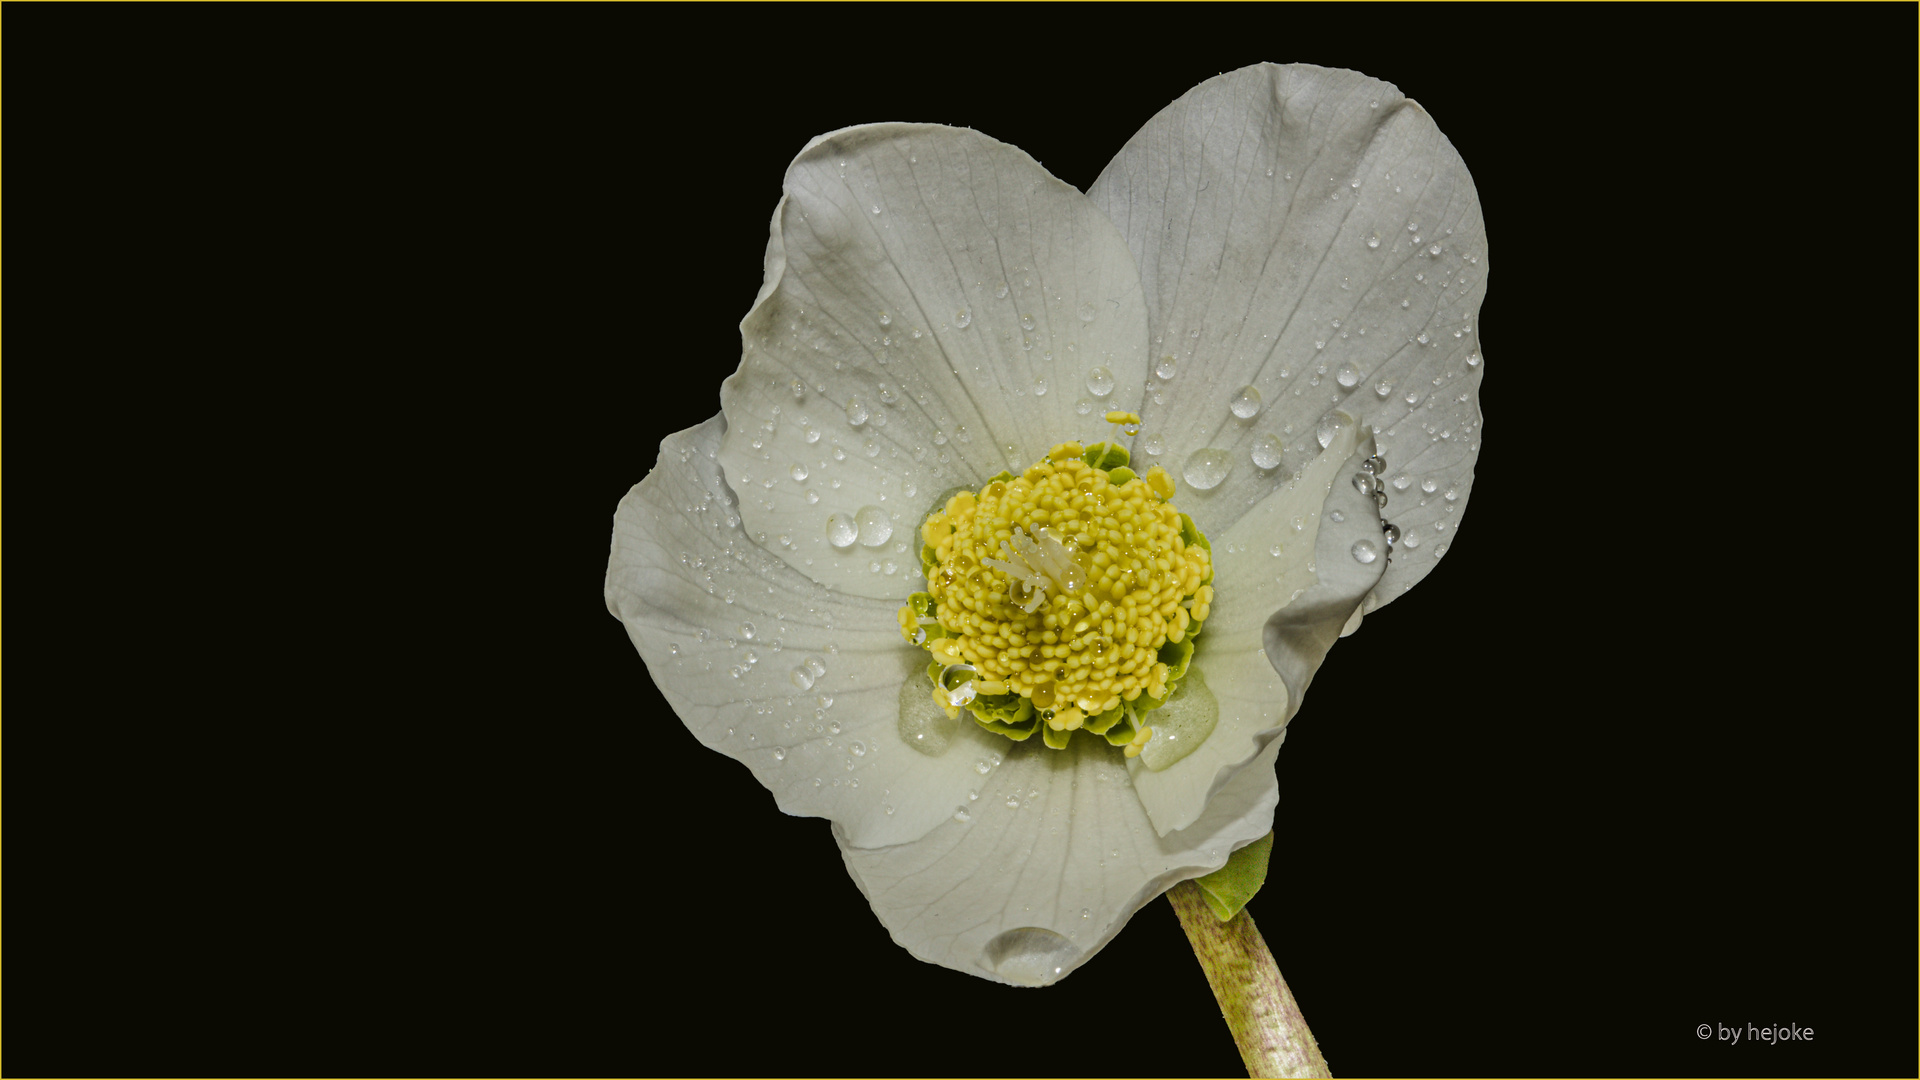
1705	1031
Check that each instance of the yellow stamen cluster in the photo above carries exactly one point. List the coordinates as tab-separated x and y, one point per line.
1062	586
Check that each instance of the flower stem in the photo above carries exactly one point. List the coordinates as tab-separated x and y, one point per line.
1259	1009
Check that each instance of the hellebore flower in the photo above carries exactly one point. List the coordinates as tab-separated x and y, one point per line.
1278	278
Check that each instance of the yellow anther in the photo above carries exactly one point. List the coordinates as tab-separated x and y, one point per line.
1118	416
1061	587
1139	742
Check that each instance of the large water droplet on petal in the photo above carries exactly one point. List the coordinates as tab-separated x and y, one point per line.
1266	451
1365	551
923	724
1099	381
1030	955
841	530
1182	724
875	527
1245	402
1205	468
856	412
1167	367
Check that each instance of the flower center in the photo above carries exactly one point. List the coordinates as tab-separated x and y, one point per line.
1063	598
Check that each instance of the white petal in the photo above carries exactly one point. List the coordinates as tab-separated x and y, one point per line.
1240	203
927	227
687	581
1273	619
1025	894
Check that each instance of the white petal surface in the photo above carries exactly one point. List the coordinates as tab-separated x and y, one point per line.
1304	594
1312	234
1026	893
934	303
725	629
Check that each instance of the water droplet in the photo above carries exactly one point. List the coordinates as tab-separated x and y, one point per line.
874	525
1039	388
856	412
1434	249
982	768
1363	483
1336	517
812	496
1026	322
1099	381
1001	292
1429	486
1392	533
1245	402
869	448
1364	551
858	748
1267	450
801	678
1205	468
799	472
1412	541
1167	367
1374	240
886	319
1013	802
1452	493
1274	551
1328	428
1088	310
841	530
1155	445
1383	388
1348	375
961	815
1473	358
779	753
747	631
1030	955
799	389
963	318
1083	406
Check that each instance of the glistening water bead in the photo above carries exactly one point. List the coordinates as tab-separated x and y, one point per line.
1206	467
1099	381
1245	402
841	530
1267	451
1364	551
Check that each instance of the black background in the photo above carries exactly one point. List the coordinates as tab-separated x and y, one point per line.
1638	757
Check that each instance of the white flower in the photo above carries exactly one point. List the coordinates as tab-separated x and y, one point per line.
1281	273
